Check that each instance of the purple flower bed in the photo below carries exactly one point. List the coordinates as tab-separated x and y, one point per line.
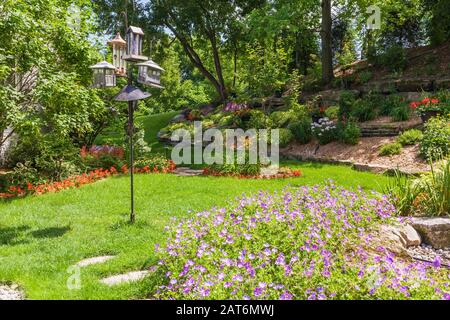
302	243
234	106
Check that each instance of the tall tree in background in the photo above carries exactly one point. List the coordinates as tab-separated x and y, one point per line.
327	49
206	24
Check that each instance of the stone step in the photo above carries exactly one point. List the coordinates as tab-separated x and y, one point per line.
132	276
94	260
11	292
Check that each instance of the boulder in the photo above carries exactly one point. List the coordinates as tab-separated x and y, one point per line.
409	85
390	238
206	109
396	238
411	96
434	231
178	118
442	84
410	235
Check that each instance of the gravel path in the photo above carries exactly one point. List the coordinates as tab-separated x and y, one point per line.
427	253
10	292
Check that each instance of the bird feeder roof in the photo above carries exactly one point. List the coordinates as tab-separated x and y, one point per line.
130	93
151	64
136	30
103	65
117	40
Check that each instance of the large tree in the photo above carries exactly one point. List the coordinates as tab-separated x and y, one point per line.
44	72
203	25
327	42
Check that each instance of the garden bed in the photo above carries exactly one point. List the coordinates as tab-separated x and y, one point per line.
366	152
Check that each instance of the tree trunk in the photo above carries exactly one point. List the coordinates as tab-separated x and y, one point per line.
218	84
223	91
327	52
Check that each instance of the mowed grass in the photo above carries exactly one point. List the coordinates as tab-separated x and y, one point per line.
152	125
41	237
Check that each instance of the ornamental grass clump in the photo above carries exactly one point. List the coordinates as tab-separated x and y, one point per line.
301	243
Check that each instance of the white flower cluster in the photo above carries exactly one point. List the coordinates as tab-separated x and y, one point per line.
324	125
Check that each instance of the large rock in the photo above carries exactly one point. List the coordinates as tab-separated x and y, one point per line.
410	235
442	84
178	118
434	231
396	238
409	85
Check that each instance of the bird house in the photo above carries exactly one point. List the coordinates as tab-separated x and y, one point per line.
119	50
104	75
150	74
134	39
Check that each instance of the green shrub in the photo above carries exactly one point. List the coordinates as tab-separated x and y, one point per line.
152	161
390	103
391	149
105	161
346	102
365	76
246	168
281	119
332	112
410	137
400	113
325	131
22	174
225	121
436	139
349	133
427	195
301	130
286	137
258	120
363	110
394	59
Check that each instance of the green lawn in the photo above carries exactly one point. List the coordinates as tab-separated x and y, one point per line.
152	125
41	237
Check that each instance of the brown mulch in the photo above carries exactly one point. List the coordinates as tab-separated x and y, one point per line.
365	152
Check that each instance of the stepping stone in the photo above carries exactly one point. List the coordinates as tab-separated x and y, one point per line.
94	260
187	172
125	278
11	292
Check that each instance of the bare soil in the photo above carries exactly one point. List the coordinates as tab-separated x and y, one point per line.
365	152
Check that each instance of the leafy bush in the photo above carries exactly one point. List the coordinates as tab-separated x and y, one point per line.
286	137
349	133
302	130
363	110
325	131
390	103
346	102
410	137
332	112
258	120
302	243
226	121
104	161
281	119
365	76
427	195
154	163
391	149
400	113
235	168
436	139
394	58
